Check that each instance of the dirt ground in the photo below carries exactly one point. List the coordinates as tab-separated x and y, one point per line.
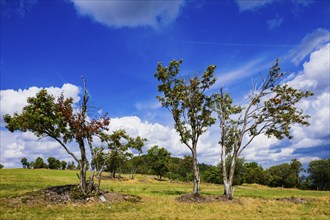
67	194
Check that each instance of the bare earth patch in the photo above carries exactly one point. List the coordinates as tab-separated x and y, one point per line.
67	194
192	198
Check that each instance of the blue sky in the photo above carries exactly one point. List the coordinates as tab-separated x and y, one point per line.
116	46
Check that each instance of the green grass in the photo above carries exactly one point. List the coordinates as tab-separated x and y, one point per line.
253	201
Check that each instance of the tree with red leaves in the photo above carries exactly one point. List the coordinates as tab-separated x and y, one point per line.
46	116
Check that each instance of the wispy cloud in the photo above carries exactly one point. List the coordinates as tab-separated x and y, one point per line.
275	22
16	7
130	13
241	72
311	42
249	5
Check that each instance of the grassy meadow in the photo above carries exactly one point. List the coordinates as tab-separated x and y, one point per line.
158	200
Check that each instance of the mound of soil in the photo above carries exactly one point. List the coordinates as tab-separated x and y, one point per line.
193	198
68	194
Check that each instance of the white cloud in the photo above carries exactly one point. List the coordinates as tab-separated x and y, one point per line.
130	13
315	76
249	5
311	42
14	100
274	23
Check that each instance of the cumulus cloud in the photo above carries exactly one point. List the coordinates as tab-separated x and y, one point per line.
14	100
314	77
275	22
130	13
311	42
248	5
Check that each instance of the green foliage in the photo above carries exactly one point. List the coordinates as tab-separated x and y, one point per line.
158	160
186	100
1	166
25	163
254	173
63	164
53	163
118	143
45	116
285	175
39	163
319	171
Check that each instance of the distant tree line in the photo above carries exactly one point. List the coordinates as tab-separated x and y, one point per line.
53	164
158	161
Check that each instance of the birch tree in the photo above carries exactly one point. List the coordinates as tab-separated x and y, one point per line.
271	110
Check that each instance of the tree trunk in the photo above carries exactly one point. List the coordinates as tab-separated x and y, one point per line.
196	189
83	170
83	182
228	184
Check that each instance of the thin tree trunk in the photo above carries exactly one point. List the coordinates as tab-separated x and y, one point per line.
229	183
83	169
196	189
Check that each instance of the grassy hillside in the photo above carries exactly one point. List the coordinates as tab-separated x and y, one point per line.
253	201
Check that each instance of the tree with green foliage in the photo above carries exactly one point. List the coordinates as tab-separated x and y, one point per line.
118	143
319	174
1	166
39	163
46	116
63	165
285	175
53	163
296	168
71	166
158	160
271	110
255	173
189	104
25	163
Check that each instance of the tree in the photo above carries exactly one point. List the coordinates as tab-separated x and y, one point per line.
63	165
53	163
25	163
271	110
71	166
189	105
319	174
1	166
158	159
282	176
253	173
296	168
39	163
47	117
119	142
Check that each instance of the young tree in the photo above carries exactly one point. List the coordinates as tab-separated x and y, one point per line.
47	117
158	159
271	110
119	142
189	105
